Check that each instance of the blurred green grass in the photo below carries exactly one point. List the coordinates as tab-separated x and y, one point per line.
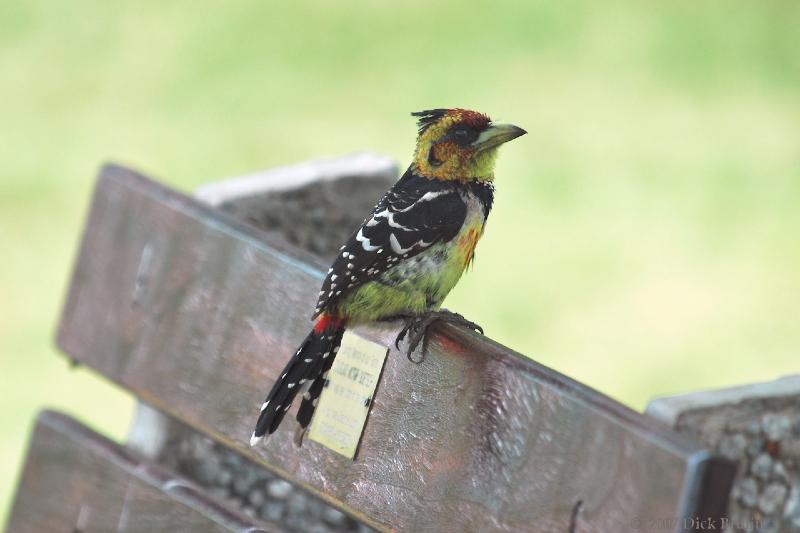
644	239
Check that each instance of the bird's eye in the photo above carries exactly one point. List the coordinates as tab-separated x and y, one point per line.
463	135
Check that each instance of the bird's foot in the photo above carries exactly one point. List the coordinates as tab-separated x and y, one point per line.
417	329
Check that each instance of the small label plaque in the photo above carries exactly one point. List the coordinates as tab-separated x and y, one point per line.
346	400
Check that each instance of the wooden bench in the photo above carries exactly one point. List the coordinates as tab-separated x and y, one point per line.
194	310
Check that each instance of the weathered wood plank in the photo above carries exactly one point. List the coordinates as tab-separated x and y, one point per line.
76	480
196	313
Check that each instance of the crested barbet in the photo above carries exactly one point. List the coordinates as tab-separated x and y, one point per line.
406	256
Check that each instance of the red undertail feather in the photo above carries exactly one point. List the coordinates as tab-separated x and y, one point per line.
325	321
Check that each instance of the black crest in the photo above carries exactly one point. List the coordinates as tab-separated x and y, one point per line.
428	117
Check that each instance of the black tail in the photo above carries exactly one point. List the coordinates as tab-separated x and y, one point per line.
306	371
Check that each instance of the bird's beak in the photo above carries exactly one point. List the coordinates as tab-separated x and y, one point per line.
496	134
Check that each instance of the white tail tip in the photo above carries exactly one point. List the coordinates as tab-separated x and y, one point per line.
255	440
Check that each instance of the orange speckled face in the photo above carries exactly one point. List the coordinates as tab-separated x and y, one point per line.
446	145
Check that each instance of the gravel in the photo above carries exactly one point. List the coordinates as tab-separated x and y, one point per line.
733	446
279	489
763	437
762	466
318	217
776	427
772	498
747	492
242	483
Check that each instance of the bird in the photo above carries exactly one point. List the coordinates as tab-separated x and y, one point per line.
406	256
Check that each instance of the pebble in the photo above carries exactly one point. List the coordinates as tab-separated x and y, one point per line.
224	477
256	498
279	489
755	446
768	524
741	425
243	481
221	493
298	503
207	470
297	522
200	449
772	498
233	461
792	511
780	473
762	466
733	446
185	448
333	516
790	448
272	511
315	507
747	492
752	427
776	427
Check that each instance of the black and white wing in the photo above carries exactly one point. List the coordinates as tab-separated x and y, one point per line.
415	214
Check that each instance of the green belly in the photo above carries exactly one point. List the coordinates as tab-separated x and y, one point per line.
411	287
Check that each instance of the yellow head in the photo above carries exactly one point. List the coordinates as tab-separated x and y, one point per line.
459	144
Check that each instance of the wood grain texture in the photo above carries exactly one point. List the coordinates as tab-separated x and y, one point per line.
197	313
77	481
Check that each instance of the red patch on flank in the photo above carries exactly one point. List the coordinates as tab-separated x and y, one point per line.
467	243
326	321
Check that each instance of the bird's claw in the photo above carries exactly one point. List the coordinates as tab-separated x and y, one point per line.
417	329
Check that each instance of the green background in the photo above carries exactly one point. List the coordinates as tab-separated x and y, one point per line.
645	234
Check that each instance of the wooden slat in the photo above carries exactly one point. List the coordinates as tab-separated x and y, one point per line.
76	480
197	313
